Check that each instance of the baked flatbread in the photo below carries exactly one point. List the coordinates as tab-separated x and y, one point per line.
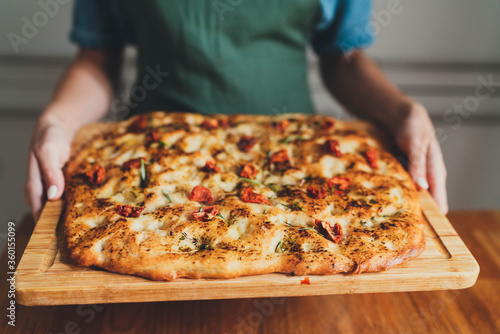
168	195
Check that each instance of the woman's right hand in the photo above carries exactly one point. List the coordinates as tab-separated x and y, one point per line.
82	97
49	151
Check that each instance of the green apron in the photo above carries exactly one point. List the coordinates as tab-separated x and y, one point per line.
228	56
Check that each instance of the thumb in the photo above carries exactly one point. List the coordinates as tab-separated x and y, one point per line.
418	163
51	159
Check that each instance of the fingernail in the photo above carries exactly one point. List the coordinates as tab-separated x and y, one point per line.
52	192
422	182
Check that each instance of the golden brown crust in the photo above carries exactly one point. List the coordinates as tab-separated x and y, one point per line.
378	208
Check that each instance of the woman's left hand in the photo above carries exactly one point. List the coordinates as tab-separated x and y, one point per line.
417	140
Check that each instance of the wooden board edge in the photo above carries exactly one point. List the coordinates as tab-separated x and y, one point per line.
464	263
110	294
43	225
446	232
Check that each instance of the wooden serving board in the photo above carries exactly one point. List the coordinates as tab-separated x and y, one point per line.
46	277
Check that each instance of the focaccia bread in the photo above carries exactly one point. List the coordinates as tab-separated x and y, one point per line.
168	195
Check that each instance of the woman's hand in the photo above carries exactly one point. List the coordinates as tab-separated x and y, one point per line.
416	138
82	97
357	83
50	149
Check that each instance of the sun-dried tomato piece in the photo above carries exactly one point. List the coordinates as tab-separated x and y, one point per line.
210	123
132	163
129	210
250	197
152	137
246	143
281	126
329	124
138	125
201	194
206	213
331	233
97	175
334	147
338	184
223	122
249	171
315	192
214	123
337	231
305	281
211	166
371	157
280	157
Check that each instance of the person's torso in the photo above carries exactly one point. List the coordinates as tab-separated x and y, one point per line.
228	56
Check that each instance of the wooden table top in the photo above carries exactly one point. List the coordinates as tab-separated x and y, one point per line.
473	310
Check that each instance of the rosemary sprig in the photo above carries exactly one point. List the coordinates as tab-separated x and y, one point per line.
259	183
278	246
166	195
335	188
229	223
292	138
394	215
162	143
297	205
198	242
315	231
313	228
397	213
293	206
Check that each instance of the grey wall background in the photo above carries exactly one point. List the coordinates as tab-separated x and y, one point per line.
424	30
436	51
